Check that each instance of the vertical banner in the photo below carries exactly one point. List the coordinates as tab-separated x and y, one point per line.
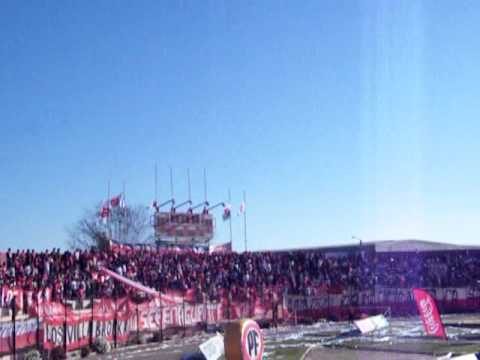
429	313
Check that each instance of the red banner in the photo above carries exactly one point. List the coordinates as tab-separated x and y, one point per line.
429	313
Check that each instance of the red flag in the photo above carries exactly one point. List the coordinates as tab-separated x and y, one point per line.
226	212
115	201
104	212
429	313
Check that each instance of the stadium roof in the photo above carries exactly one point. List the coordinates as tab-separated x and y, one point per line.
416	245
401	245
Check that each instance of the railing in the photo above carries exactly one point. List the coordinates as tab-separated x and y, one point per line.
45	325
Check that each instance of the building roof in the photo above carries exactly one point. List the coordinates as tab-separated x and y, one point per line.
401	245
417	245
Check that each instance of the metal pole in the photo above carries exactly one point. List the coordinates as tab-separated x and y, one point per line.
184	318
92	318
14	330
156	182
65	315
171	182
205	184
38	324
115	323
189	187
109	230
161	320
245	218
230	218
138	324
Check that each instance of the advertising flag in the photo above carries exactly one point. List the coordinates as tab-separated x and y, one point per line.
429	313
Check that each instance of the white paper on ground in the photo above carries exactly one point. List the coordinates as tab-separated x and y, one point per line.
213	348
475	356
371	323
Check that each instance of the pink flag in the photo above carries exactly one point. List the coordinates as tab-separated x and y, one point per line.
429	313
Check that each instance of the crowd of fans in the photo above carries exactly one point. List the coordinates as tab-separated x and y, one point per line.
76	275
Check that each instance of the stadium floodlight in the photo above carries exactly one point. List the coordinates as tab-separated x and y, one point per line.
171	201
188	202
216	205
204	203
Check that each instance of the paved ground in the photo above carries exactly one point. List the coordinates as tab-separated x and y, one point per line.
168	350
343	354
159	351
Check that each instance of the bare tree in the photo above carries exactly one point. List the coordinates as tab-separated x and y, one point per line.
129	225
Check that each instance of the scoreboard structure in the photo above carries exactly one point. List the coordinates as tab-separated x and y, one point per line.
183	228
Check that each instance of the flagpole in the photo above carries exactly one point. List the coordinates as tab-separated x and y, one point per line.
109	231
121	225
230	218
245	218
156	181
171	182
205	183
189	187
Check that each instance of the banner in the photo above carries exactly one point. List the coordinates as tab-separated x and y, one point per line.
133	284
429	313
183	227
8	294
25	334
116	319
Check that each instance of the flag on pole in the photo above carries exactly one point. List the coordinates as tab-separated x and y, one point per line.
115	201
429	313
104	212
227	211
241	209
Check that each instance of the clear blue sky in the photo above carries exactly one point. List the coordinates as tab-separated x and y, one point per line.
338	118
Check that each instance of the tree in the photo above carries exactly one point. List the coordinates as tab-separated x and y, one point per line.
128	225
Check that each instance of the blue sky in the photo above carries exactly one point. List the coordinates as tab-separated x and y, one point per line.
338	118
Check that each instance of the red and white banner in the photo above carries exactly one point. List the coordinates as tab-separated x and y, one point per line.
25	335
182	227
221	248
133	284
8	294
429	313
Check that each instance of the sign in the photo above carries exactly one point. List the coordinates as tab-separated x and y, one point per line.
25	335
183	227
371	323
213	348
252	341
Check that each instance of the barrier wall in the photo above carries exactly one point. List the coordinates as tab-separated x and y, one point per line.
51	324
